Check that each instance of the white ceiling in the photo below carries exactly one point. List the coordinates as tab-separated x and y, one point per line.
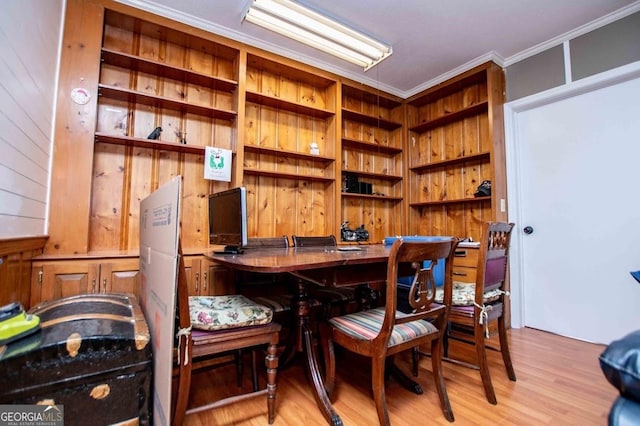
432	40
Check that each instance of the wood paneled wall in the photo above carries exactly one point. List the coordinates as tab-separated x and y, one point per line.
15	268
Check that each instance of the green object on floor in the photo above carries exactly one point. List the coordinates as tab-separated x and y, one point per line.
15	323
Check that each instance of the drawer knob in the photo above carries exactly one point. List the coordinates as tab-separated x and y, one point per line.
528	230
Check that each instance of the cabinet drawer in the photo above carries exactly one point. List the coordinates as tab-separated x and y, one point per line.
464	274
466	257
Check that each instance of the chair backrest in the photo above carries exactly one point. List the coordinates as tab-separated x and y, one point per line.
493	258
317	241
411	255
267	242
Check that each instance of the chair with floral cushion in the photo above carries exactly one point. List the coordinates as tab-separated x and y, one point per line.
211	326
475	305
383	332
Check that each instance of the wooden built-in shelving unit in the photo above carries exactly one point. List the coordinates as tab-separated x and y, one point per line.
423	157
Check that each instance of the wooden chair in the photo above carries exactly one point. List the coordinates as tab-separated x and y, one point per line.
271	290
197	345
475	306
333	299
381	333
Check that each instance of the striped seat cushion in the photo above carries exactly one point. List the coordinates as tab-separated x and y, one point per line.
365	325
334	294
281	302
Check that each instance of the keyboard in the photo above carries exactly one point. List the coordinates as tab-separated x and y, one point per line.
349	248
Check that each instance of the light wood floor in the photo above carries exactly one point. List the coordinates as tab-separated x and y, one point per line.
559	383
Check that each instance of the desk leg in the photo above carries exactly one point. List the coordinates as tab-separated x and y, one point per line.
301	308
303	342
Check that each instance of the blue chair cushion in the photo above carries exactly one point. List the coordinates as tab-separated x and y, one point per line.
365	325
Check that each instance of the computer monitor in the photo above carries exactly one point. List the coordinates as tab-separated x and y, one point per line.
228	220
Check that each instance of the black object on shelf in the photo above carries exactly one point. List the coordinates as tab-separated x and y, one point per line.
352	185
155	134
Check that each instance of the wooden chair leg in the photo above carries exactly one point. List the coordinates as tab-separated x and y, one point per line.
377	382
445	340
254	372
415	360
438	375
271	362
504	349
239	366
481	354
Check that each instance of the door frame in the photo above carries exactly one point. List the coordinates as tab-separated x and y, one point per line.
513	169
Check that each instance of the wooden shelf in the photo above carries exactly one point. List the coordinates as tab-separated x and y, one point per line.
374	147
483	156
372	175
371	196
132	62
456	84
369	97
455	201
370	120
148	143
282	175
296	107
128	95
451	117
287	153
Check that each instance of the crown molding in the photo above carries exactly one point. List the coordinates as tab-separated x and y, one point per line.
577	32
194	21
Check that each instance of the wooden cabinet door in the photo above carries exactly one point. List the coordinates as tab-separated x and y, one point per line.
218	280
121	276
192	270
206	278
62	279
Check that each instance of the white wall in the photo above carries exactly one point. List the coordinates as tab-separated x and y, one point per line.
30	35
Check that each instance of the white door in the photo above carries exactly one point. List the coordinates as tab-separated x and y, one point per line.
577	173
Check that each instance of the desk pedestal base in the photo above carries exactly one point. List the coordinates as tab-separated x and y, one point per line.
302	341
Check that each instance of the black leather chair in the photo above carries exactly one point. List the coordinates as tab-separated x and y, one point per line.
620	363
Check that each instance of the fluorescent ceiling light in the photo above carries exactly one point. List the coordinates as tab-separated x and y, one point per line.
306	26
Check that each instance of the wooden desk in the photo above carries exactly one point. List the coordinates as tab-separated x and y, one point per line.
322	265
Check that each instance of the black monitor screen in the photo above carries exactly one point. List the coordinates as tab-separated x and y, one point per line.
228	219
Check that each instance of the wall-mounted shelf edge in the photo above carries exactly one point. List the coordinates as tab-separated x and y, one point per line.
371	196
132	62
443	163
454	201
451	117
149	143
286	105
370	120
354	143
293	154
128	95
372	175
285	175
